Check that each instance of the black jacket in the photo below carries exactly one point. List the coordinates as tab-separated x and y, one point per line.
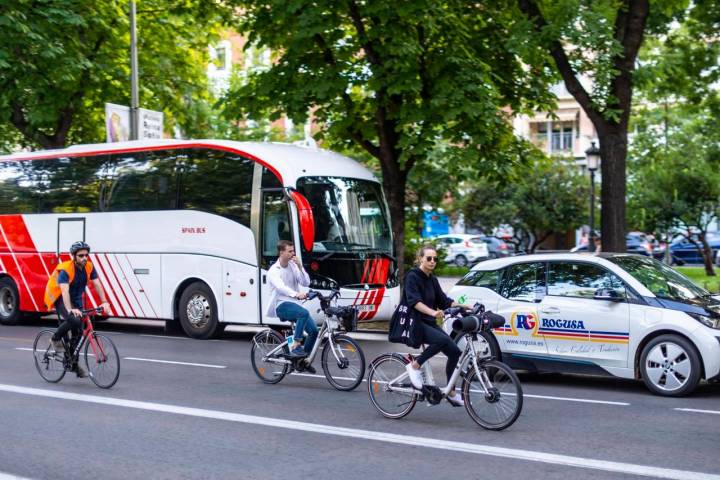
420	287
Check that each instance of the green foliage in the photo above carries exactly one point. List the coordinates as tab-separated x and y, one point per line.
61	61
546	196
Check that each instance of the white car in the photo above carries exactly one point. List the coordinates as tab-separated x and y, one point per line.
463	249
619	314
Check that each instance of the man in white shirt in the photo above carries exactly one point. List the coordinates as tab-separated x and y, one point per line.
286	276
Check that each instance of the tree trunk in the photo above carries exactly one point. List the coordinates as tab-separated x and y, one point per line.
613	151
394	186
707	256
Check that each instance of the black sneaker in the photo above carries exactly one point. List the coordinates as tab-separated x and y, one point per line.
308	368
80	372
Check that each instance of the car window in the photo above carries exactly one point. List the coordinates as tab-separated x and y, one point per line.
581	280
481	278
524	282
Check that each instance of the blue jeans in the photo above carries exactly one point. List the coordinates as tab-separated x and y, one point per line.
290	311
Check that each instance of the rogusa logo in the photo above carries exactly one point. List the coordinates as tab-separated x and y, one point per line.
524	321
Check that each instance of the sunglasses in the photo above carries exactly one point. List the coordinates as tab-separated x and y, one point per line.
81	255
431	259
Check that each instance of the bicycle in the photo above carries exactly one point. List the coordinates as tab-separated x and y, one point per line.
100	355
489	387
270	353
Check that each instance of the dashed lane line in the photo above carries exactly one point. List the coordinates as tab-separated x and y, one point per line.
696	410
189	364
377	436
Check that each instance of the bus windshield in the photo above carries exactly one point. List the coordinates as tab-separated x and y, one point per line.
350	214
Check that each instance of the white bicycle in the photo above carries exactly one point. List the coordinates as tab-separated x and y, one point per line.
343	361
490	389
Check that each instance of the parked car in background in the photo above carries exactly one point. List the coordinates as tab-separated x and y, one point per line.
498	248
685	251
634	243
463	249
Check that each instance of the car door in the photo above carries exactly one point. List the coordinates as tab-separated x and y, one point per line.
576	325
522	287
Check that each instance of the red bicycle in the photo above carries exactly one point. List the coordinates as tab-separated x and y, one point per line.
99	353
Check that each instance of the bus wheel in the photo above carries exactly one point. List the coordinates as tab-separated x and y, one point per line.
198	311
9	302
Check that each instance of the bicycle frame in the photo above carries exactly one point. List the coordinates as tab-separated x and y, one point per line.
87	336
326	333
469	355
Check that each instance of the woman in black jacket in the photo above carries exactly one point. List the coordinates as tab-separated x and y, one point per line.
423	293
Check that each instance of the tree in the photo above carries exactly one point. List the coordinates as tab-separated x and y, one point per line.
61	61
393	79
544	197
676	182
601	39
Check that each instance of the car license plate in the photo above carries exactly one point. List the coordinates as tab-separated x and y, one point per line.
365	308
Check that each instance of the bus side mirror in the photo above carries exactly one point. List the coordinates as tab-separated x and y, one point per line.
306	219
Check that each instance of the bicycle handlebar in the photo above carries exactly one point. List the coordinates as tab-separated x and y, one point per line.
89	311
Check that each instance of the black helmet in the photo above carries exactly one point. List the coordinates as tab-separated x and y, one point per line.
79	246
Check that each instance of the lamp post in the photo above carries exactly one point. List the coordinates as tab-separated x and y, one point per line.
592	156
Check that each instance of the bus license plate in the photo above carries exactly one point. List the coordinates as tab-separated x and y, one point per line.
365	308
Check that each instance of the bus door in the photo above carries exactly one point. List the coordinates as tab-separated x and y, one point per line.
69	231
274	226
240	292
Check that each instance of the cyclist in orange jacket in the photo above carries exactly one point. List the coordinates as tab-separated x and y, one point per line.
64	294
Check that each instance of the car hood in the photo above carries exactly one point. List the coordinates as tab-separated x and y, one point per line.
708	306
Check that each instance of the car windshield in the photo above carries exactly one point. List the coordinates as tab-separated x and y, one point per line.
350	214
660	279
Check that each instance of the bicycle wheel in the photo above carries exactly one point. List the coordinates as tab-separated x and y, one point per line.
102	360
50	365
264	343
500	406
346	368
390	403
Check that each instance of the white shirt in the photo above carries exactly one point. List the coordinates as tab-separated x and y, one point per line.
285	283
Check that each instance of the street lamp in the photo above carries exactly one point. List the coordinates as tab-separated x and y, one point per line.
592	157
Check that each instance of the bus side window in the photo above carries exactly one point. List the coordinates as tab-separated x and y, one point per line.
143	181
217	182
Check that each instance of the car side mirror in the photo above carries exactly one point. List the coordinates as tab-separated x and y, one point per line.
608	294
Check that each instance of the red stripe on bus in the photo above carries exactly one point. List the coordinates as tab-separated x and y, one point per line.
130	287
120	285
17	241
142	287
115	306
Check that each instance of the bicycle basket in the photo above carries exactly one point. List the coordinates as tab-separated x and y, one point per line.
349	319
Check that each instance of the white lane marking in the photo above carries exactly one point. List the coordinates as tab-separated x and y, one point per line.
409	440
152	360
24	349
580	400
165	336
8	476
695	410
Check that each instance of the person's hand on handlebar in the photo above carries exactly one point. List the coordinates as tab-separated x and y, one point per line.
105	307
301	296
76	312
439	314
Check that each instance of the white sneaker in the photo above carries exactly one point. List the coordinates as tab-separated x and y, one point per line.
456	401
415	376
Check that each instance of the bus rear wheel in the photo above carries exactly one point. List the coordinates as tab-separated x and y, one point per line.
198	313
9	302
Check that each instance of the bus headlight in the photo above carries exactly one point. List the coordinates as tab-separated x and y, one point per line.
712	322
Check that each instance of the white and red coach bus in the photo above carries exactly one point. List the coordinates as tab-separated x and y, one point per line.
186	230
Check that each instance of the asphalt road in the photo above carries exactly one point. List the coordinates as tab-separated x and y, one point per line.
208	416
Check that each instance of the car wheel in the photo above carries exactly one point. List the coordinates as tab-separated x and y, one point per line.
670	366
461	261
9	302
198	312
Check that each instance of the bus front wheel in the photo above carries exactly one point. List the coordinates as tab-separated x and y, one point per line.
197	311
9	302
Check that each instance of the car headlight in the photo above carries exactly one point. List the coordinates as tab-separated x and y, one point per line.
712	322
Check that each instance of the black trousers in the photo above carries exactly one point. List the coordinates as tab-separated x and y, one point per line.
439	341
68	321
